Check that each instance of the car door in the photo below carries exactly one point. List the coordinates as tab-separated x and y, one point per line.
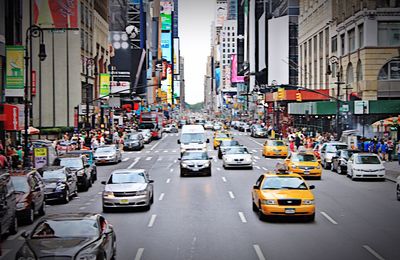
71	180
40	187
350	165
106	236
257	190
4	212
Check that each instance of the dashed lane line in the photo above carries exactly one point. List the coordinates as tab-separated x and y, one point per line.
147	151
157	151
171	170
242	217
134	163
254	151
231	194
149	158
159	159
223	179
165	151
152	219
218	169
256	157
373	252
259	253
329	218
125	159
168	180
161	196
257	142
139	254
257	167
265	169
82	208
154	146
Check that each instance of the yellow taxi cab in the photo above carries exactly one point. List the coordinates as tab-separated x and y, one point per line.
283	194
275	148
305	164
219	137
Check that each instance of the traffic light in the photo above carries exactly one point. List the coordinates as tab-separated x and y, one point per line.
281	93
298	97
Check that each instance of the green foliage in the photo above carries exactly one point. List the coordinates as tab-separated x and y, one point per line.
195	107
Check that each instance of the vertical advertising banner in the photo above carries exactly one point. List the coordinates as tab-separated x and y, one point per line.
176	56
221	14
104	84
60	14
166	46
169	84
14	71
166	21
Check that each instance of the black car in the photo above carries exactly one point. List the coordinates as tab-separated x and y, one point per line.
78	164
8	201
339	160
195	163
70	236
60	183
224	144
134	142
90	160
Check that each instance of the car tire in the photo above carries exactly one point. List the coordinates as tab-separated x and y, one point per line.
398	192
332	168
106	210
29	217
67	196
261	215
147	207
255	208
152	199
95	174
13	228
42	210
310	218
339	170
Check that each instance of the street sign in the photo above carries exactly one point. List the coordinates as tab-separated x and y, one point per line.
361	107
82	109
344	108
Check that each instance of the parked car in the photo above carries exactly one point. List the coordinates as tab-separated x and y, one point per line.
70	236
8	201
60	183
328	150
339	160
107	154
128	188
225	145
237	157
30	189
365	165
208	125
398	188
78	165
258	131
90	160
146	135
195	163
134	142
170	128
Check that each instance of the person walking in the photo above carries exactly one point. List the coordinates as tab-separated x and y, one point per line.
390	148
398	151
383	150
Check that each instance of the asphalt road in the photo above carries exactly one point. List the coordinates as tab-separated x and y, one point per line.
212	218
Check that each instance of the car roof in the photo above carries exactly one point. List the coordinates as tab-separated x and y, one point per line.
72	216
273	174
302	153
80	152
128	170
70	155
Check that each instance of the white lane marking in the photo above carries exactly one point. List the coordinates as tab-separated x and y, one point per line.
139	254
138	152
99	193
82	208
125	159
223	179
129	152
258	167
159	159
161	196
373	252
152	219
231	194
257	142
265	169
134	163
175	161
91	200
149	158
154	146
168	180
88	203
4	252
256	157
174	151
215	160
254	151
242	217
329	218
147	151
165	151
171	170
157	151
218	169
176	135
16	235
259	252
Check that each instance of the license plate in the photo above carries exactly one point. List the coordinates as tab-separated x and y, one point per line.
103	161
195	169
290	211
306	172
125	201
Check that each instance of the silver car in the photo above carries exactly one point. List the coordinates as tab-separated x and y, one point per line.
237	156
128	188
107	154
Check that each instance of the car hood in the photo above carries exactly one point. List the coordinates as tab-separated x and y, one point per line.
58	246
287	194
125	187
21	196
237	156
52	184
131	141
195	161
193	145
369	166
104	154
313	164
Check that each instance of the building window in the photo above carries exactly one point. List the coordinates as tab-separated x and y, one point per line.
361	36
390	71
349	74
229	45
82	39
352	40
321	43
360	75
388	33
82	12
334	44
342	44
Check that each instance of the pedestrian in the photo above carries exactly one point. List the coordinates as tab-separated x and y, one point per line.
398	151
383	150
390	148
20	153
3	160
291	146
297	141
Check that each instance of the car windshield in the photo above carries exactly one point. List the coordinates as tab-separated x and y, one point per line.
276	143
20	183
303	158
237	150
66	229
54	175
127	177
335	147
75	163
282	183
193	138
195	156
229	143
221	135
132	137
367	159
147	126
105	149
348	154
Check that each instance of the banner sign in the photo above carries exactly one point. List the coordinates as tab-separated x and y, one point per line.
40	157
104	84
176	56
33	83
60	14
9	117
14	71
120	86
166	46
166	22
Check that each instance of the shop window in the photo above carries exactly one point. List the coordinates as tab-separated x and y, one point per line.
360	75
390	71
388	33
352	40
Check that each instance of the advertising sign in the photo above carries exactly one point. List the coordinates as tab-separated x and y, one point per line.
166	22
176	56
166	46
104	84
40	157
9	117
166	7
175	19
33	83
21	116
14	71
61	14
361	107
120	86
221	14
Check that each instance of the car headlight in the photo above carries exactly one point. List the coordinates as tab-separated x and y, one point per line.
25	253
357	169
269	202
21	205
207	164
248	159
318	167
108	194
60	187
308	202
184	165
141	193
382	169
229	159
88	253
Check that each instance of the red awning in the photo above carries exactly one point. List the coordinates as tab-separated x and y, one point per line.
9	116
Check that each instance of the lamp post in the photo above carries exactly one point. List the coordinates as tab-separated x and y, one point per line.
33	31
335	61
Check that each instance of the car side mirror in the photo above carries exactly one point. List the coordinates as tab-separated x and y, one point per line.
151	181
87	165
37	189
255	187
178	141
210	158
312	187
103	182
208	140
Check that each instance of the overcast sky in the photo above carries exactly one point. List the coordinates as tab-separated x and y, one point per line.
195	17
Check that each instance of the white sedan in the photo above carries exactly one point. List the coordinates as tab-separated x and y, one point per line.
237	156
398	188
365	165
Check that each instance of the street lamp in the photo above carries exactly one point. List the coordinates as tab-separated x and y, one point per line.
334	60
33	31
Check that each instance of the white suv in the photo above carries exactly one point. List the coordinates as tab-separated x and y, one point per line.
328	150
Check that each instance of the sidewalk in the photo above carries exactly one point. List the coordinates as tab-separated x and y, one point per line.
392	170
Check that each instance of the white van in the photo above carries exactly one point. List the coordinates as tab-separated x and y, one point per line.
193	137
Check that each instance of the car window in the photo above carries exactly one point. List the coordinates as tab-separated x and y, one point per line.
195	156
222	136
108	149
75	163
334	148
237	150
277	143
54	175
66	229
20	184
127	177
303	158
367	159
279	183
258	183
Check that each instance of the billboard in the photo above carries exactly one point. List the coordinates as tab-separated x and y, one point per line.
166	46
175	19
166	22
235	78
166	7
14	71
61	14
221	13
176	56
104	84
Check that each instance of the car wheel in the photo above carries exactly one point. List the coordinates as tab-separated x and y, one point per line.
147	207
67	196
255	208
29	217
310	218
13	228
332	167
261	215
398	192
339	169
152	199
42	210
106	210
95	175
